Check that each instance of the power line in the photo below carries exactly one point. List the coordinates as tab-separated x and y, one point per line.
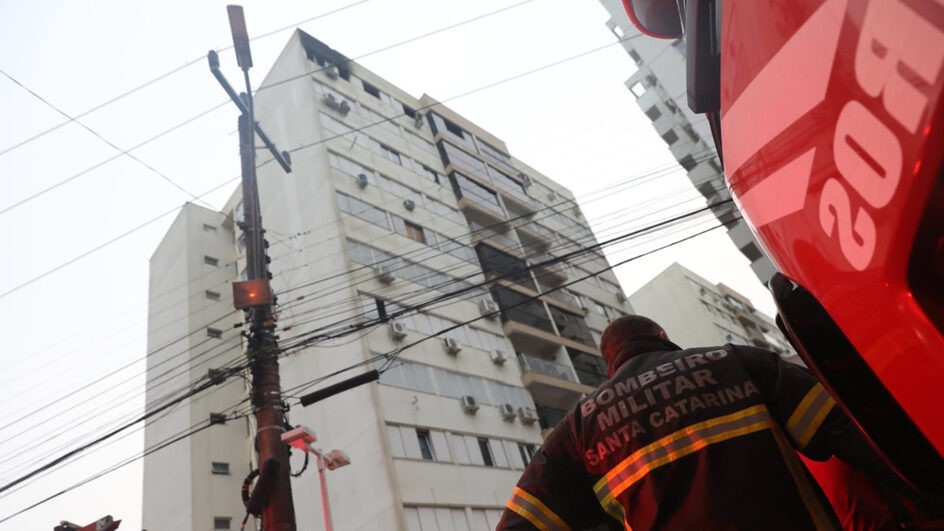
454	294
100	137
159	78
392	355
219	105
105	437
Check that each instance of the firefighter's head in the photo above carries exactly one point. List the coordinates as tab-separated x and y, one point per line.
623	330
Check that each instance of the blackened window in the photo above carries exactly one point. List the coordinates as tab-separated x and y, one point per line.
486	452
372	90
688	162
214	333
211	260
670	137
220	468
653	113
454	129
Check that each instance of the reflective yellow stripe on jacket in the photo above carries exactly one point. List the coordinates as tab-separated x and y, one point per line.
531	509
809	415
674	446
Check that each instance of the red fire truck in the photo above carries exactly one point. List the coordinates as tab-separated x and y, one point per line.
828	116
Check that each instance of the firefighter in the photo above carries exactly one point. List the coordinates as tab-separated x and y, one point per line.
702	438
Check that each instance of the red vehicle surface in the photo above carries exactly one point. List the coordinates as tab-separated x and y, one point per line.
828	115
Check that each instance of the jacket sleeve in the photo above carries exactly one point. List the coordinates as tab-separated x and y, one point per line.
816	426
554	492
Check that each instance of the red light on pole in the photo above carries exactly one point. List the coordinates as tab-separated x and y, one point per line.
250	293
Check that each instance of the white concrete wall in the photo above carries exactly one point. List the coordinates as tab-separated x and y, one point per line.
178	479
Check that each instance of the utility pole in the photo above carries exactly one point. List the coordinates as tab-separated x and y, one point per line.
254	296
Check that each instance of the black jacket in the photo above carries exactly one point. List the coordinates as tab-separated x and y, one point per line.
689	439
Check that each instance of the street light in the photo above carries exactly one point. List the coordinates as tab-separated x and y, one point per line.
302	439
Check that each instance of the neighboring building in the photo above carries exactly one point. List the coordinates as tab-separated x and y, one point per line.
392	200
660	89
695	312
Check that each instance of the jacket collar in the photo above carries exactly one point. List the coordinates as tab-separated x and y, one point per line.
637	347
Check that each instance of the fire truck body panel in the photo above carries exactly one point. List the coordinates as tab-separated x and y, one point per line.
832	128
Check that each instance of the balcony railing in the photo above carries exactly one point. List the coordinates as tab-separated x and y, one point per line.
549	368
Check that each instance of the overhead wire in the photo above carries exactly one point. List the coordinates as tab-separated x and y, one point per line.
217	106
160	77
299	389
99	136
194	357
412	308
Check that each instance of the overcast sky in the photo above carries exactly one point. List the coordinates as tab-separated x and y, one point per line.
80	220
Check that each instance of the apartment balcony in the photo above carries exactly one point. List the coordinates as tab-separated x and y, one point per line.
590	368
548	417
548	269
505	267
496	239
478	202
551	383
534	237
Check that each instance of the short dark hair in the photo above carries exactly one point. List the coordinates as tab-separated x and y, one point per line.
627	327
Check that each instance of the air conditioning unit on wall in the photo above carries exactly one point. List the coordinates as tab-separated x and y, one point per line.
498	356
396	330
451	346
469	405
507	411
488	308
384	273
527	415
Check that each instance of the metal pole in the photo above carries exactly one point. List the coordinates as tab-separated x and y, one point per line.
324	491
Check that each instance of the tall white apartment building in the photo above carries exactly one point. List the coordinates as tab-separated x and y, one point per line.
697	313
393	200
660	89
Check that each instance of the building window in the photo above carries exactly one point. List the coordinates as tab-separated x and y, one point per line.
219	468
751	252
635	56
209	228
454	129
390	153
222	522
211	260
426	445
653	113
527	451
211	295
214	333
670	137
432	174
372	90
486	452
671	106
414	232
690	131
599	308
688	162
